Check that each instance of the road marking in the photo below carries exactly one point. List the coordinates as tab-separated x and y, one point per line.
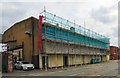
51	73
90	75
73	75
35	74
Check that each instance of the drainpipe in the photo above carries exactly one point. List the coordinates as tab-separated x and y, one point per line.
32	40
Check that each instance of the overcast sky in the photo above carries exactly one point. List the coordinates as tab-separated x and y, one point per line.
99	15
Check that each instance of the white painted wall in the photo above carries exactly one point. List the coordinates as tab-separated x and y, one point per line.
2	49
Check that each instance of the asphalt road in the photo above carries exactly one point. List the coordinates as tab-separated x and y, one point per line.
103	69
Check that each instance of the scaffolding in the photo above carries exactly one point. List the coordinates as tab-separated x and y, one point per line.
71	40
63	30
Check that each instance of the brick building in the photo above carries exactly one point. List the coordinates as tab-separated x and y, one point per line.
114	53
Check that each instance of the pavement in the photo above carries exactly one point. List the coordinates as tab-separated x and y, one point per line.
102	69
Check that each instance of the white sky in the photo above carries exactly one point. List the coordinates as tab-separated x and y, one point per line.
99	15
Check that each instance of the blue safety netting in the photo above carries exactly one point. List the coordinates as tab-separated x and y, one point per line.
71	32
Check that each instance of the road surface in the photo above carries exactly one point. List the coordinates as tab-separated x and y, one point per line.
102	69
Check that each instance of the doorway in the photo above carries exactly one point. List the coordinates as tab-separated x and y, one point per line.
83	58
65	61
44	62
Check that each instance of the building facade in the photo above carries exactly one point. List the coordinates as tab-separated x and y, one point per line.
52	41
0	38
114	53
